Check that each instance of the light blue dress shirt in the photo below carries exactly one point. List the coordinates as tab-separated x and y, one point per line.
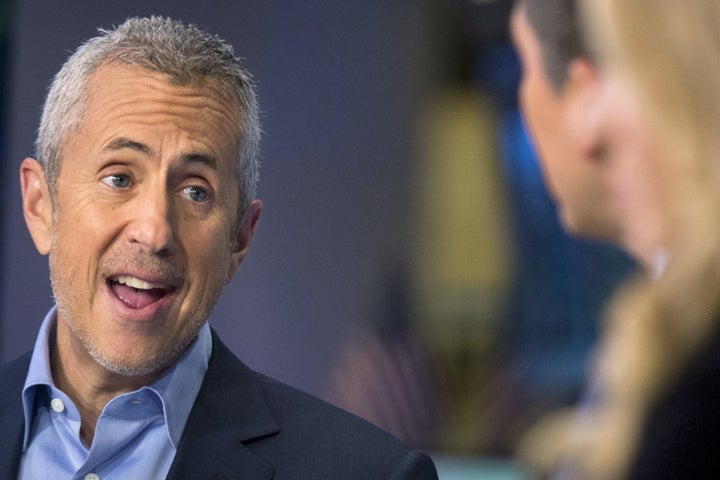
137	433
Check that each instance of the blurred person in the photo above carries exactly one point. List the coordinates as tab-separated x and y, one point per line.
573	277
142	195
558	89
659	362
601	156
560	92
654	398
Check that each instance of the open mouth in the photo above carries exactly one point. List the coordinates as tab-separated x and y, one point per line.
137	293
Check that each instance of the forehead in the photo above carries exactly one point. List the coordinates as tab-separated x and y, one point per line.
122	99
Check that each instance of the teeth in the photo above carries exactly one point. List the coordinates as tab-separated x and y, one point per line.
135	282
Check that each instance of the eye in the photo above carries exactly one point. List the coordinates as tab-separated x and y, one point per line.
195	193
118	180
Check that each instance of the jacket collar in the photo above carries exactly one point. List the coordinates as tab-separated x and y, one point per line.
230	410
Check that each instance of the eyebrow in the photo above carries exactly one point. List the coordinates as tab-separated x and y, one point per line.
126	143
123	143
202	159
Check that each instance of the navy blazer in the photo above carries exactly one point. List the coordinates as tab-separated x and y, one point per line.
246	426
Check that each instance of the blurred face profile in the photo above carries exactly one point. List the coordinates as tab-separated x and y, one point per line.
144	222
556	121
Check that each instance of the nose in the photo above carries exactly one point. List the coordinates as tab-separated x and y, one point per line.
152	224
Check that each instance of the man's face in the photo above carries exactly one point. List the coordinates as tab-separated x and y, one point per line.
555	120
144	223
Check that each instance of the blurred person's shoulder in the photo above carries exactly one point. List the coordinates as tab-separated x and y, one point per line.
682	431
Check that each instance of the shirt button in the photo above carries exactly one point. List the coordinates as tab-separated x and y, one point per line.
57	405
91	476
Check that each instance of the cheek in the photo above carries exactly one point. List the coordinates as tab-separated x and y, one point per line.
622	138
620	121
537	111
74	244
209	251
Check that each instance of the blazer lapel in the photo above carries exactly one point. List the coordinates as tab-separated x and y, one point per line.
230	410
12	420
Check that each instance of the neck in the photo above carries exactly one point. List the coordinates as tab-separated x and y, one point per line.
643	236
80	377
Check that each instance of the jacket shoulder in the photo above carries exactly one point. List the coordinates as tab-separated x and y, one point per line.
349	446
12	376
299	435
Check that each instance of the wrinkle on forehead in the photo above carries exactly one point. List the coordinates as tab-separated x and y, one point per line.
120	96
135	87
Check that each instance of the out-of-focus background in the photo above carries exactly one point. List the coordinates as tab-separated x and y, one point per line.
409	265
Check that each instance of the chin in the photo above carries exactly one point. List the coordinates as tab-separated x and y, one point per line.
590	228
136	365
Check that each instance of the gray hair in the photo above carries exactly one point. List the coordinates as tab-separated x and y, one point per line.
187	54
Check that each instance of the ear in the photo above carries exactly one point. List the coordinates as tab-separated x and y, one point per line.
244	236
37	205
583	92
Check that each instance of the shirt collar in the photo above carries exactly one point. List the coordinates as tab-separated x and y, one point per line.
177	388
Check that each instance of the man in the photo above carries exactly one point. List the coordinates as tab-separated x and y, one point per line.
142	195
558	92
562	101
602	191
656	377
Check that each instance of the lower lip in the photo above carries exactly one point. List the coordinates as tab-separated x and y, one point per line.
148	313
